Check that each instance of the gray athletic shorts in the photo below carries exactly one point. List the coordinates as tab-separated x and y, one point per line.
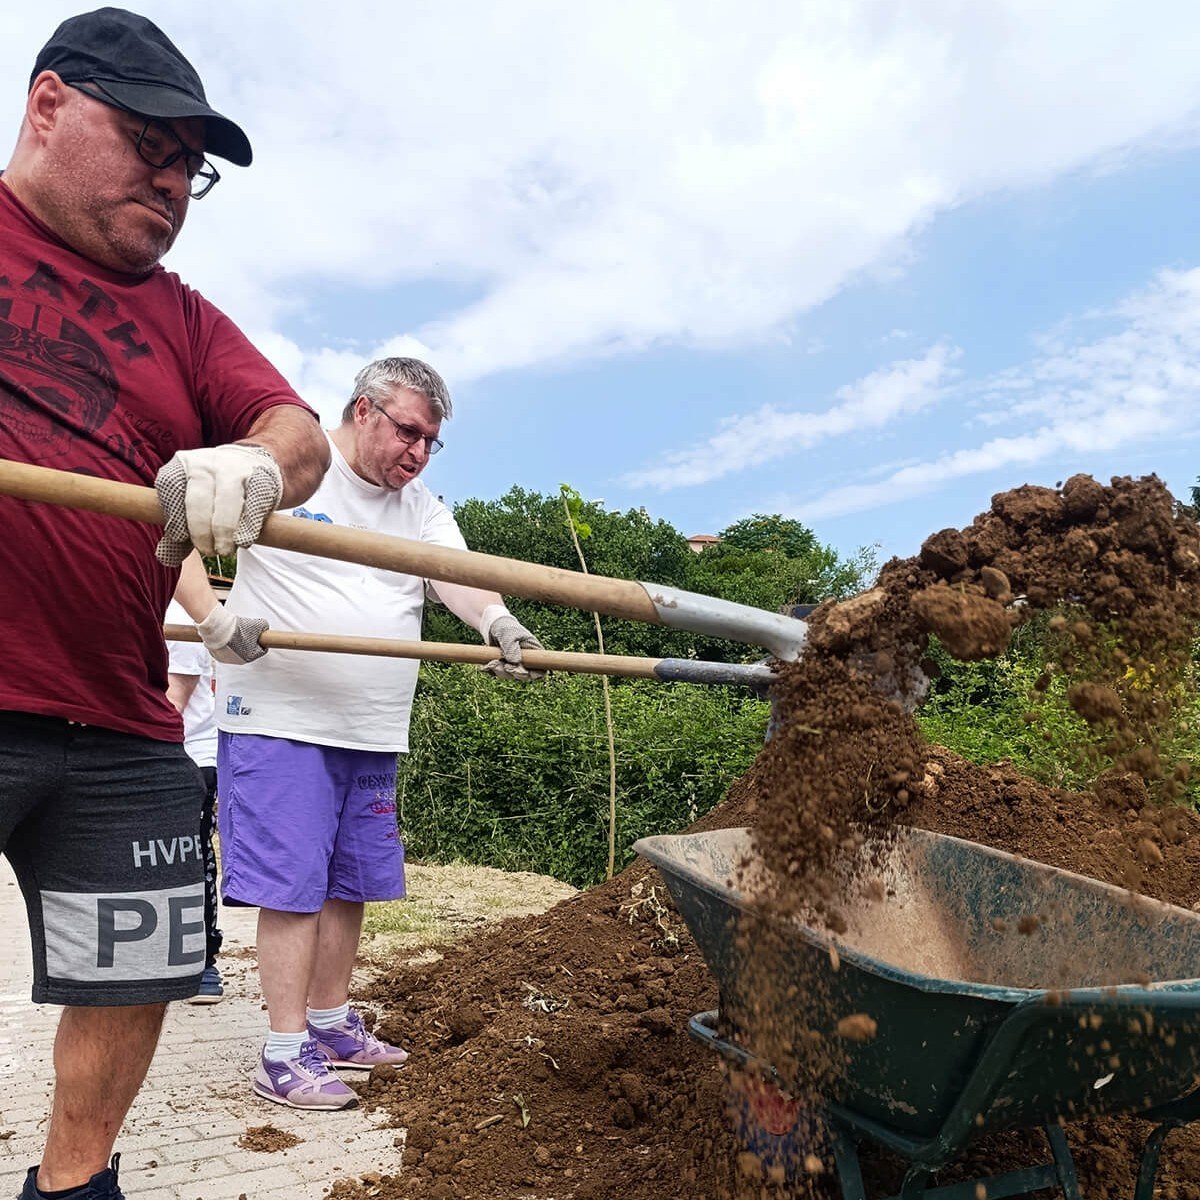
103	831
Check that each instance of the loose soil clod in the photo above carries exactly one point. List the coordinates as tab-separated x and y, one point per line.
267	1139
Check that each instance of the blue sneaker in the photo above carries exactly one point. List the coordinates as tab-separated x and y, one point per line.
211	990
102	1186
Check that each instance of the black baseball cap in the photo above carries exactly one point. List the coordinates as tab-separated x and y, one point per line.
137	67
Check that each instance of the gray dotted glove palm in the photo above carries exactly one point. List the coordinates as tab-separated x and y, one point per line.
230	638
215	499
511	637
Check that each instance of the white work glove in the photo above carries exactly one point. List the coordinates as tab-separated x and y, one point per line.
215	499
506	632
232	639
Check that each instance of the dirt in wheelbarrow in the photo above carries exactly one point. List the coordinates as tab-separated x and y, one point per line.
549	1054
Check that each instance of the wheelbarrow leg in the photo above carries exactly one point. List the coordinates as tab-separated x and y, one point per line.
1063	1162
1150	1156
845	1157
913	1187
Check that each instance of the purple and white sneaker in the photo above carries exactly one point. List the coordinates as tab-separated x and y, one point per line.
305	1081
351	1044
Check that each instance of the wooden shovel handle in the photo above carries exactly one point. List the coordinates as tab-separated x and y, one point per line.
510	577
649	603
445	652
676	670
755	676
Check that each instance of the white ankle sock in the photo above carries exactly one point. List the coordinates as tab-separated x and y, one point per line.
327	1018
279	1047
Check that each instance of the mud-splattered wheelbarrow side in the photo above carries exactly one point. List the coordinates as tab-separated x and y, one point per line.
1006	994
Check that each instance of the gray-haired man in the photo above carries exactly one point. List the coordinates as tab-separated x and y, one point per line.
308	743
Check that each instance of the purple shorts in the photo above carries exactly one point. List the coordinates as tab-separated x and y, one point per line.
301	824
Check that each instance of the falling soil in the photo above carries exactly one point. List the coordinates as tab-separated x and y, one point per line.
550	1056
268	1139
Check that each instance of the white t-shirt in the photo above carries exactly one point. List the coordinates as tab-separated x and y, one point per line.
199	723
350	700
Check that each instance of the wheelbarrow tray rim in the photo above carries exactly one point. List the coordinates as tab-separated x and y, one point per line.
657	850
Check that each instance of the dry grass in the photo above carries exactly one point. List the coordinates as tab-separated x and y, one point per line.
447	902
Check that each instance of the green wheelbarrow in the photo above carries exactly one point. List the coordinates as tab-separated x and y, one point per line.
1005	995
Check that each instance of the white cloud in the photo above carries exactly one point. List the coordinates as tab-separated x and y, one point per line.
1139	384
324	378
744	442
610	177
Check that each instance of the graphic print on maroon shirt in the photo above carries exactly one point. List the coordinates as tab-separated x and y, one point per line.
109	375
60	364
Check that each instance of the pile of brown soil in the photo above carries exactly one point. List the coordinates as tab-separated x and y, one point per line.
551	1058
577	1020
550	1054
1000	807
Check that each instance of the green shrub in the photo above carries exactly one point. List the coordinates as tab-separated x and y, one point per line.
516	775
983	711
988	711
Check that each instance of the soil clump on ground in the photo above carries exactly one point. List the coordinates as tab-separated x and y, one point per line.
550	1054
267	1139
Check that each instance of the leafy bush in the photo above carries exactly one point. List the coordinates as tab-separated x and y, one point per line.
988	711
983	710
516	776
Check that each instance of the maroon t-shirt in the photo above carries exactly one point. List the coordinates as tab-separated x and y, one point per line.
104	374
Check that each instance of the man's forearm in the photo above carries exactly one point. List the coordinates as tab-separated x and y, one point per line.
467	603
298	445
193	590
180	689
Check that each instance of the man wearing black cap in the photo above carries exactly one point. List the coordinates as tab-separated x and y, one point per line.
110	366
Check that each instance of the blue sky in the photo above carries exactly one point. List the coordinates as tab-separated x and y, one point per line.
862	263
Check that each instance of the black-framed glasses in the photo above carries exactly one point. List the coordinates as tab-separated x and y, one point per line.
158	145
154	146
410	435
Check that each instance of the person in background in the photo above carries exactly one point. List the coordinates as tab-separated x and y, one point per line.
190	689
307	754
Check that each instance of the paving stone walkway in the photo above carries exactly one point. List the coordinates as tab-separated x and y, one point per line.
180	1140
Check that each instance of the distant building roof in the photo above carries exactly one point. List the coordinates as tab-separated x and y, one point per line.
698	541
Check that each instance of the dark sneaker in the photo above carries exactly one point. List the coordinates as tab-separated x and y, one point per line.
305	1081
101	1186
351	1045
211	990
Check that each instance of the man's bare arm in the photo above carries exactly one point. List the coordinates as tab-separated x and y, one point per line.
486	612
180	689
467	603
193	590
230	639
299	447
